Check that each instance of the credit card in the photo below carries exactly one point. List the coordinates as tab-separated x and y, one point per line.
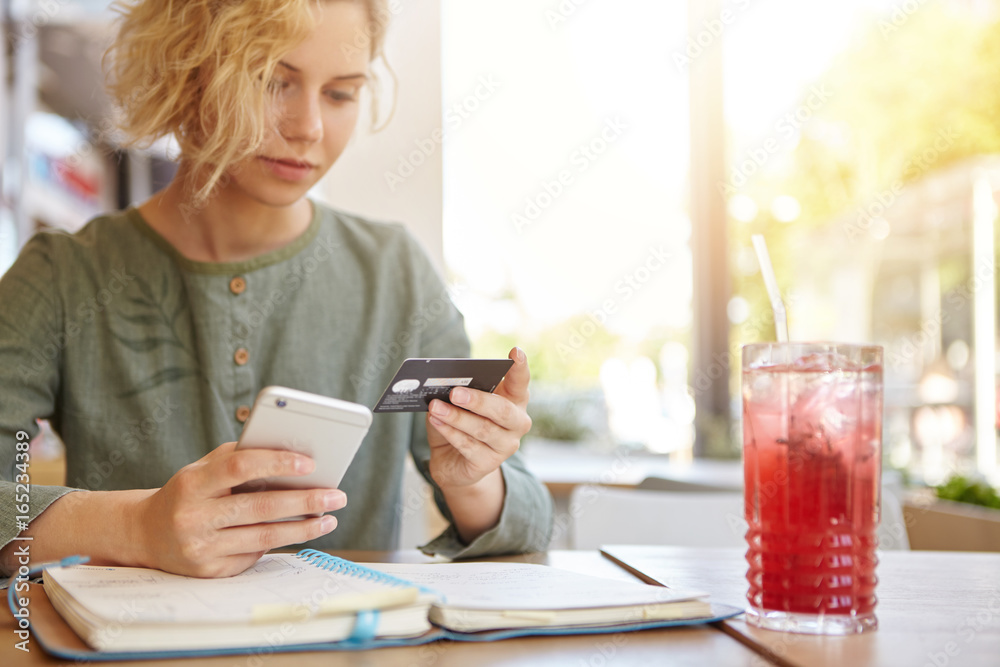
419	381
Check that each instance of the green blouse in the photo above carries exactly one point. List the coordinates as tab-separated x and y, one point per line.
144	361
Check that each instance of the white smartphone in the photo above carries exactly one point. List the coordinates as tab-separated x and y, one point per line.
328	430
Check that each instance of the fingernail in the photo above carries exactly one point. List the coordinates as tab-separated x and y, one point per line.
439	408
460	395
334	500
303	464
520	354
327	523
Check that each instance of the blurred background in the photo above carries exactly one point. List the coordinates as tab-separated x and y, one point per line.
587	175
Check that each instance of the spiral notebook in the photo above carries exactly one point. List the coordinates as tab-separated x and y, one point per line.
312	601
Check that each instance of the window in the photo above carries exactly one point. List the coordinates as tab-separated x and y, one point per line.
565	223
861	136
857	139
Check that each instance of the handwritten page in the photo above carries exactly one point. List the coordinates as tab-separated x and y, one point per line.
505	586
153	596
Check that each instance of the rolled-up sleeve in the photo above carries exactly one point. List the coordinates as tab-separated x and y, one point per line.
526	519
525	522
31	344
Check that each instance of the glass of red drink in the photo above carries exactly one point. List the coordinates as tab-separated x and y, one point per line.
812	451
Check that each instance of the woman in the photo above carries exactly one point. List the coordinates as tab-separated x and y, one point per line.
145	336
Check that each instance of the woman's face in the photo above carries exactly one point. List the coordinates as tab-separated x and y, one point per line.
317	93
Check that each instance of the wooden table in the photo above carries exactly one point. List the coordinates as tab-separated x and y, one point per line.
696	645
935	608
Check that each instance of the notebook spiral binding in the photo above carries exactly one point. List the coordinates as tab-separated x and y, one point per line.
337	565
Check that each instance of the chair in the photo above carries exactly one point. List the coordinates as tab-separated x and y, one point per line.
612	515
893	534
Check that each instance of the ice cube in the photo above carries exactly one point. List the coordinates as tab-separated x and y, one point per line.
824	413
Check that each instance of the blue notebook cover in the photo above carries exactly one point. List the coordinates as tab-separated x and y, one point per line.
56	638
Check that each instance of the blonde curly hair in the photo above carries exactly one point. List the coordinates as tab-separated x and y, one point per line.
199	70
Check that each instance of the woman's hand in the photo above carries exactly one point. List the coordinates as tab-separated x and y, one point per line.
470	439
196	526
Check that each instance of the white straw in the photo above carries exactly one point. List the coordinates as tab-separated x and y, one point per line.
766	270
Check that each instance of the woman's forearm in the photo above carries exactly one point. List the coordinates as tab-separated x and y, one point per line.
476	508
98	524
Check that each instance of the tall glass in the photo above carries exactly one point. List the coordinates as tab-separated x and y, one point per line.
812	450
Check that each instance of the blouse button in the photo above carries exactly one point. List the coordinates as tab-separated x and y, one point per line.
237	285
241	356
242	413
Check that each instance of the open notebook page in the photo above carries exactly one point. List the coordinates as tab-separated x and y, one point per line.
502	586
158	597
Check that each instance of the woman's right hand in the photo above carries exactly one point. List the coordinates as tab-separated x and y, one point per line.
195	525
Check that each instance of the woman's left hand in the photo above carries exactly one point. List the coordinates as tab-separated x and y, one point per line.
471	438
